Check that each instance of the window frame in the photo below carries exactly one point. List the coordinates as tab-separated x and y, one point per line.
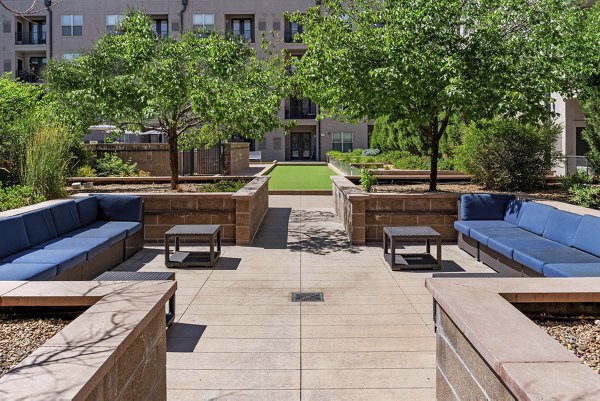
345	145
110	27
242	32
203	25
71	26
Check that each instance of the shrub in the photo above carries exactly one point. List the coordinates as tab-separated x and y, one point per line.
367	179
46	163
584	195
85	171
506	154
111	165
18	196
223	186
579	178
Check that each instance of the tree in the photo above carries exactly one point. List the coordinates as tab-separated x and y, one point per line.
197	89
424	62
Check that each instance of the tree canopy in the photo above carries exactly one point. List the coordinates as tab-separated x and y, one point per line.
423	62
198	88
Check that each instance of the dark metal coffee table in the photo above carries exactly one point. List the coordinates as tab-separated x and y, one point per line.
143	276
203	232
410	261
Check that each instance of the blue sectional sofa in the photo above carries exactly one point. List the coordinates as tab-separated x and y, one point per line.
521	238
71	240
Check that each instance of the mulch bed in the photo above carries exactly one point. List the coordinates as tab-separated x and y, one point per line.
553	191
129	188
581	336
20	337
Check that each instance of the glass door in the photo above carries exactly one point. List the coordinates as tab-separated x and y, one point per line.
301	145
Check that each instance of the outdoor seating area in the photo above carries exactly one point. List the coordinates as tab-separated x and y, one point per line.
517	237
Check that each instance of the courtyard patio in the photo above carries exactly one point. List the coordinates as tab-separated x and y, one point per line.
239	336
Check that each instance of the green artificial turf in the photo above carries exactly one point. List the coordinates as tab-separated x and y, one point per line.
300	178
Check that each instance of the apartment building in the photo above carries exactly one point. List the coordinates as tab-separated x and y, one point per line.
63	29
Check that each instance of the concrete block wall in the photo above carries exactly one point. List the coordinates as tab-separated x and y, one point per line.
236	157
364	215
150	157
252	204
461	372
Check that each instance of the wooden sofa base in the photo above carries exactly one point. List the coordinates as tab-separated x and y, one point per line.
504	266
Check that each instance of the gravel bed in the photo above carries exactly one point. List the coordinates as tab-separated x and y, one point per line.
553	191
581	336
20	337
159	188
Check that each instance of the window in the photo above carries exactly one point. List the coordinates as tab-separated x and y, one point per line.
243	27
71	56
291	30
342	141
72	25
161	27
112	21
204	21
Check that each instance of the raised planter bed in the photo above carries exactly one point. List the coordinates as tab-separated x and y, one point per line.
116	348
487	348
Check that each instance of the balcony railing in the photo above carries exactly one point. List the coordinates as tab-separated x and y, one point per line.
300	108
30	38
28	76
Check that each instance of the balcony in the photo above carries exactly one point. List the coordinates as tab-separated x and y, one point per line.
300	109
30	38
28	76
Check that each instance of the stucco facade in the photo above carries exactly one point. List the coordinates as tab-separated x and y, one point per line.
70	26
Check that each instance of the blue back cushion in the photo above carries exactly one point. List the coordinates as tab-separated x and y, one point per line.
587	237
534	217
514	209
561	226
66	217
39	226
483	206
88	209
119	207
14	236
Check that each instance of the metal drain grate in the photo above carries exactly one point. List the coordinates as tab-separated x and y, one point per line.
307	297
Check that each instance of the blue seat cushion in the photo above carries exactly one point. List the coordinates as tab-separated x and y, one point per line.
465	226
483	235
534	217
66	217
14	236
536	258
112	234
507	245
587	236
562	226
39	226
130	227
572	270
514	209
119	207
63	259
27	271
88	209
483	206
93	246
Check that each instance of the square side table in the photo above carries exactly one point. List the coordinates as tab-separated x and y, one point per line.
212	233
411	261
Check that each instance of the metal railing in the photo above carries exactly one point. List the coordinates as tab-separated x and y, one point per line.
30	38
300	108
574	164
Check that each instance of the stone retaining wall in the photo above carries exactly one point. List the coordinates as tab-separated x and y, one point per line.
236	157
239	214
364	215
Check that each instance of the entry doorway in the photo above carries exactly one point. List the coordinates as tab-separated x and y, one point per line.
300	145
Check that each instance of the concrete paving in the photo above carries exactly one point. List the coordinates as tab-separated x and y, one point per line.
238	336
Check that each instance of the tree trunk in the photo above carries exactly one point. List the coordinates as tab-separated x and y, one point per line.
435	153
173	157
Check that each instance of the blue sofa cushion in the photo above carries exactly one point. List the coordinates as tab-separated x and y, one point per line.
113	235
507	245
63	259
536	258
562	226
587	236
93	246
483	206
39	226
534	217
130	227
572	270
119	207
465	226
66	217
14	236
514	209
27	271
88	209
483	235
